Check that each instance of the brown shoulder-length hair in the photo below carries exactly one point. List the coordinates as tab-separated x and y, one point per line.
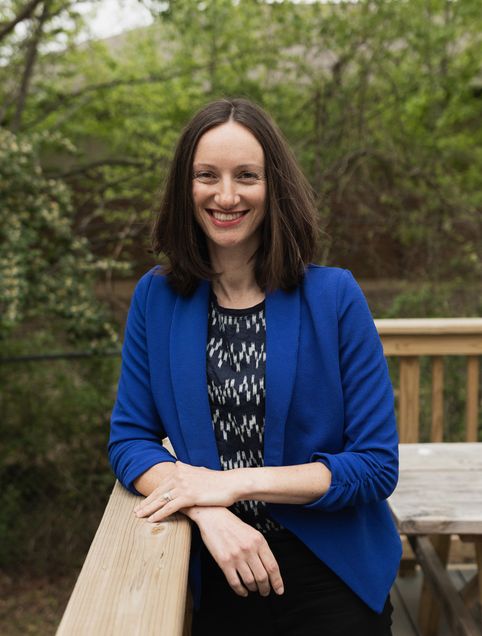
290	228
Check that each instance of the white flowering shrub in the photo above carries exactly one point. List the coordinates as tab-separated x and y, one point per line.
55	413
46	272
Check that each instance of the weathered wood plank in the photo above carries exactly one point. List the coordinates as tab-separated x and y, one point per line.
402	621
134	579
434	521
418	507
472	398
452	456
434	326
458	616
478	555
409	589
409	401
470	592
429	608
439	489
462	553
432	345
437	430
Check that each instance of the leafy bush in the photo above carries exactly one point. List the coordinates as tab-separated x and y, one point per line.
46	271
53	457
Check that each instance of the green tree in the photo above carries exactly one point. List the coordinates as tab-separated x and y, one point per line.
47	270
378	99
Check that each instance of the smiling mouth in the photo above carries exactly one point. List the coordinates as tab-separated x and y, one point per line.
226	216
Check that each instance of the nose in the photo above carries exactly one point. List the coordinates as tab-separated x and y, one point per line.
226	196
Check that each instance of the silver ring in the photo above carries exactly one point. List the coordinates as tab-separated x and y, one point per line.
167	497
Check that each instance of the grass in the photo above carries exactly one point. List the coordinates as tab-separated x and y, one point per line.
33	606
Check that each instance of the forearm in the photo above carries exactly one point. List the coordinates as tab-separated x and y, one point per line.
150	480
192	486
299	484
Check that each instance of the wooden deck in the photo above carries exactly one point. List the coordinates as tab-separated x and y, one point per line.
406	592
127	556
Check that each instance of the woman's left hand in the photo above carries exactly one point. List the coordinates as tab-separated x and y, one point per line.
188	486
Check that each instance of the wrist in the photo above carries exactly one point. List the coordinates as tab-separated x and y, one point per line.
198	513
243	482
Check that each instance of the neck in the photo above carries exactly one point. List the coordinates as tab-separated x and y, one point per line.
236	287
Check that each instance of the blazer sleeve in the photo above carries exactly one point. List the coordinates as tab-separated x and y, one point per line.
136	431
366	470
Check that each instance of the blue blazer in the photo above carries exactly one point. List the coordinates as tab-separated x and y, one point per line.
328	398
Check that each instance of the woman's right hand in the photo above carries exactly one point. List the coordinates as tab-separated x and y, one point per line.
241	552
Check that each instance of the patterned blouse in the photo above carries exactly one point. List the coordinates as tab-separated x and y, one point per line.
235	363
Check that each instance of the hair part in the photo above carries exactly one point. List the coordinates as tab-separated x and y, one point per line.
289	234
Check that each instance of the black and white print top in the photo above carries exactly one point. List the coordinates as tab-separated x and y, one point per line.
235	363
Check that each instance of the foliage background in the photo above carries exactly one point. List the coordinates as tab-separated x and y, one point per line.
382	104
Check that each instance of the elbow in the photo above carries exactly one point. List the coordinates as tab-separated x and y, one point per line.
390	481
357	479
384	480
375	487
114	456
384	487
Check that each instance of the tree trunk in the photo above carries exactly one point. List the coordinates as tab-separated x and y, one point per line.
31	58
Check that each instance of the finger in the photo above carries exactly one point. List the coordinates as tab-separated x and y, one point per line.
152	506
261	578
272	568
156	500
146	503
155	494
234	582
247	577
167	510
162	488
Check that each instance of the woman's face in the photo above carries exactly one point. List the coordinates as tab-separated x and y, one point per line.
229	187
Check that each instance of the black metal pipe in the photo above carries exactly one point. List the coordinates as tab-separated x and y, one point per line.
60	356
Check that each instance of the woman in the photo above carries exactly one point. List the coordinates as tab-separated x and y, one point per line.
268	377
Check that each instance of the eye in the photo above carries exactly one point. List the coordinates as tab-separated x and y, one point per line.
204	175
249	176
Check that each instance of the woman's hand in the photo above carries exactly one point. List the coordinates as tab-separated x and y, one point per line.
188	486
241	552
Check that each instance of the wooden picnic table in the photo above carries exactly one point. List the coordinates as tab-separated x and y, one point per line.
439	493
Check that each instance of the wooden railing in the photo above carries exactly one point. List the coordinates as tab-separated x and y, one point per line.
134	579
409	339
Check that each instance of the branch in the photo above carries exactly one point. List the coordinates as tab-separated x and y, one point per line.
30	60
25	13
64	99
101	163
123	236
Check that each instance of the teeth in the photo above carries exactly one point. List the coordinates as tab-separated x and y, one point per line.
226	217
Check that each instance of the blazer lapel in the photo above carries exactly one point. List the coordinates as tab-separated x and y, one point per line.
188	371
282	336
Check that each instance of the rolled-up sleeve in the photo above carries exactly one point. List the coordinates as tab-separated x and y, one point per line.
366	469
136	432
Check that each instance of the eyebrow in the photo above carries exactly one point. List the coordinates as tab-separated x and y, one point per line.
242	166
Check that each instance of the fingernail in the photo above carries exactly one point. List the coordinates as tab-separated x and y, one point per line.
280	590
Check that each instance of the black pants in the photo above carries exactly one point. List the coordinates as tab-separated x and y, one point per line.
315	601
